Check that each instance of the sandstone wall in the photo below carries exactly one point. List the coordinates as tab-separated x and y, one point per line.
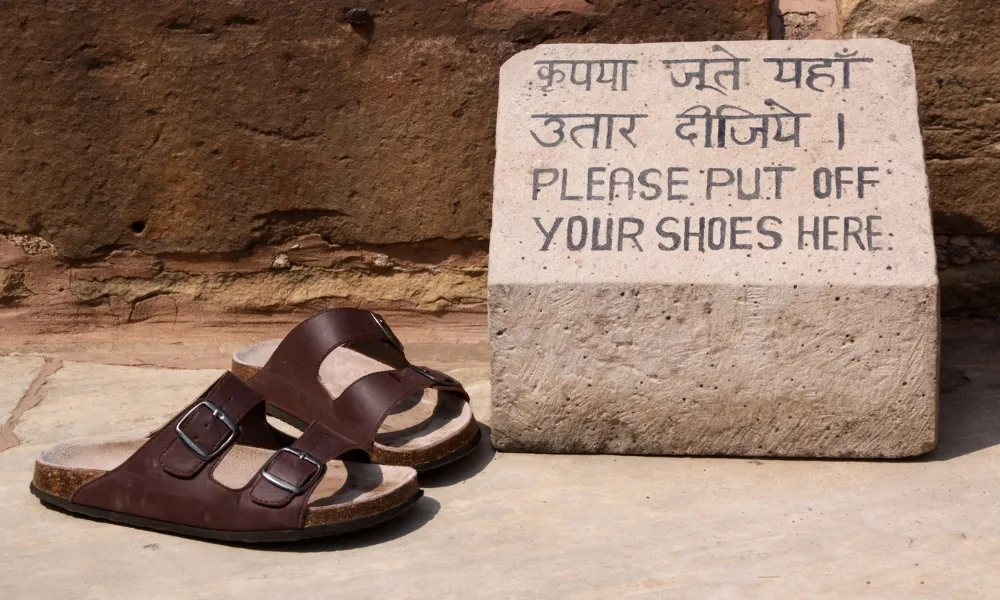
218	162
172	160
957	51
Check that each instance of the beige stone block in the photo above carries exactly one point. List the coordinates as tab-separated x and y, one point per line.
713	269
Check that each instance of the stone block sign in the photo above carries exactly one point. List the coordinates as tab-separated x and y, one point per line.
713	248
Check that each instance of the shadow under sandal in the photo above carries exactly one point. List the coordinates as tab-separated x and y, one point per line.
212	472
331	368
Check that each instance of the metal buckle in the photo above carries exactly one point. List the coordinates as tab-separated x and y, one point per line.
286	485
219	414
385	329
448	379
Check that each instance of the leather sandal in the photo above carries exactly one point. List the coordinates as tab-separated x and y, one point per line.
213	472
333	366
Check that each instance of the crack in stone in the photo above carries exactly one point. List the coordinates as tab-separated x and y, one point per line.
32	398
280	133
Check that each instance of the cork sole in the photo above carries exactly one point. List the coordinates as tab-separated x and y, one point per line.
429	429
350	496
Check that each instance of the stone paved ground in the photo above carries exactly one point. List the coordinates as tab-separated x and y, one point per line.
518	526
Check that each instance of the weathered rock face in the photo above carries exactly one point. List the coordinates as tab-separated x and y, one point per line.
955	47
804	20
222	131
166	159
215	127
743	265
46	293
958	78
969	269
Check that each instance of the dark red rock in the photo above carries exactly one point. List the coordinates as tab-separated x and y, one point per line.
191	127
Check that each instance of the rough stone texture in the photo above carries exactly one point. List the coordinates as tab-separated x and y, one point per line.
224	126
969	270
748	371
226	131
650	348
187	135
804	20
958	78
47	293
16	373
584	527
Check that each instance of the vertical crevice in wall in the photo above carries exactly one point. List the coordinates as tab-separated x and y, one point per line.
776	24
804	20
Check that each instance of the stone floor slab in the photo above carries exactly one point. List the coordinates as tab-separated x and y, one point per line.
646	298
16	373
84	400
562	527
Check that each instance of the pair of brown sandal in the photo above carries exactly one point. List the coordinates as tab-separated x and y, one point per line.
219	470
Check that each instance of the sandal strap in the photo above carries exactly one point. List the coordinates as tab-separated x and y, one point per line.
169	479
209	427
295	469
301	352
291	383
361	408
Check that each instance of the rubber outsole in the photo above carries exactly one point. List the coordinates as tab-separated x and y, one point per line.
243	537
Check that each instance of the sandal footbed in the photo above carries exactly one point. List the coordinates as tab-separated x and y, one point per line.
349	491
421	430
457	455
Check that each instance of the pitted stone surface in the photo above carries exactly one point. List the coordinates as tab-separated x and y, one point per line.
723	268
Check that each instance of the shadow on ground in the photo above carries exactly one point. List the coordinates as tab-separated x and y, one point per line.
970	398
468	467
410	521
